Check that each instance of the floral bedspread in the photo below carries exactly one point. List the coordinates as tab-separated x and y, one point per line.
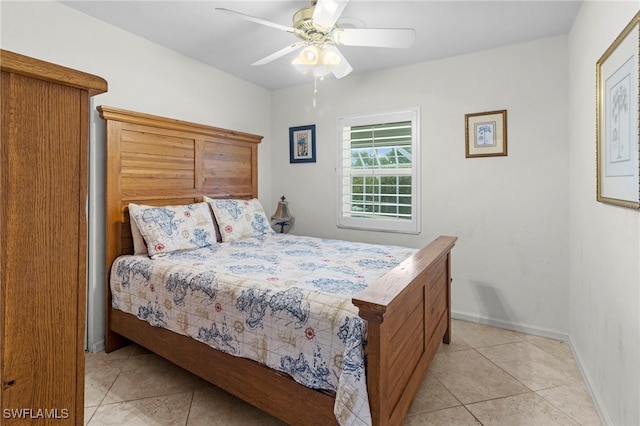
281	300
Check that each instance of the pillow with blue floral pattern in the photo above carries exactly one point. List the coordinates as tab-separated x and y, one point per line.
174	228
239	219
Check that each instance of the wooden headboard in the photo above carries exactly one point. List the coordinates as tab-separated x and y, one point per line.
161	161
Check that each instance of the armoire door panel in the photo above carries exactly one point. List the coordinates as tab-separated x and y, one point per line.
41	249
43	189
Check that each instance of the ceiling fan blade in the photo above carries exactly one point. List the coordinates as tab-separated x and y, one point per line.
375	37
280	53
343	68
327	12
258	20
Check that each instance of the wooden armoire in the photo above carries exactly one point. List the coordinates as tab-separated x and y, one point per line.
43	232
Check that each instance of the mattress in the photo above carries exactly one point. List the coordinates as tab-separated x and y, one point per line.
281	300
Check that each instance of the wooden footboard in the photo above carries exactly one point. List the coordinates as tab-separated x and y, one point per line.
409	313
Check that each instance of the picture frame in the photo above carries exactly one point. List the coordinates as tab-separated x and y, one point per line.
302	144
486	134
617	121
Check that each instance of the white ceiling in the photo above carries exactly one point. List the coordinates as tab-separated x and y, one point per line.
443	29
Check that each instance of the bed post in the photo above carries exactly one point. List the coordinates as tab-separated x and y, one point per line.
408	311
447	335
377	378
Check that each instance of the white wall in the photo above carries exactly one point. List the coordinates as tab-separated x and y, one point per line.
604	323
142	77
510	213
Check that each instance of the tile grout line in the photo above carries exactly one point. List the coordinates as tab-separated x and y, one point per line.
193	395
505	371
110	387
532	391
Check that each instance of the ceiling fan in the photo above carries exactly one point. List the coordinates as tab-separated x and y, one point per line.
319	32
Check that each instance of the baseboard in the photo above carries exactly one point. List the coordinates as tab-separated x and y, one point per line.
595	396
523	328
537	331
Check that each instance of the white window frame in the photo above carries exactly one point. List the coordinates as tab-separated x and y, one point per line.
343	171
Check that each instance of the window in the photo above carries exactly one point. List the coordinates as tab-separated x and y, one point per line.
378	172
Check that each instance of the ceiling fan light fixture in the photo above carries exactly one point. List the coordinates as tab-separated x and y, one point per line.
316	59
309	55
322	70
327	61
329	57
306	60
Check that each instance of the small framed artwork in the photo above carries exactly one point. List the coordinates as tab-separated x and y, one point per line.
486	134
302	144
617	123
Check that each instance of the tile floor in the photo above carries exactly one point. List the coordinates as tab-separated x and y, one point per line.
487	376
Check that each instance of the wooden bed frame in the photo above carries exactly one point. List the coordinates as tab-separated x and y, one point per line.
160	161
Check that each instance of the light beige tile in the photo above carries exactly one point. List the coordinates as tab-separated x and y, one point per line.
458	416
97	357
526	409
144	376
88	413
479	335
456	344
557	348
202	383
432	396
167	410
574	400
532	366
471	378
141	351
212	406
100	374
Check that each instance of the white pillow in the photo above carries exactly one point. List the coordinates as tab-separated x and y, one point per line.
139	245
239	219
174	228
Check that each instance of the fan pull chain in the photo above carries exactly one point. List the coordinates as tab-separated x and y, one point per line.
315	89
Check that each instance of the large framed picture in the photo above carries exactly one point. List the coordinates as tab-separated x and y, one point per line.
302	144
486	134
617	124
